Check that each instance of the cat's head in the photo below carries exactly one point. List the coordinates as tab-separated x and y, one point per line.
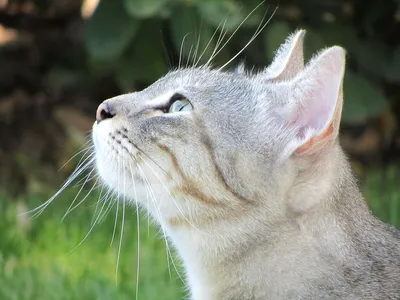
202	143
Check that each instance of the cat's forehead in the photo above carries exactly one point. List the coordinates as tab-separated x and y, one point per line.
193	79
201	86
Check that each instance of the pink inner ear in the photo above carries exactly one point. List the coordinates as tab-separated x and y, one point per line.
317	106
315	94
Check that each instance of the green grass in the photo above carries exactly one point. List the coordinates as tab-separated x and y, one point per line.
36	261
382	191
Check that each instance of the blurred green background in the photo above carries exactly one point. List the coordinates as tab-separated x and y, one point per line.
60	58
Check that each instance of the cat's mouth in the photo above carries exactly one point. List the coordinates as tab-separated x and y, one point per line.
117	158
128	171
113	142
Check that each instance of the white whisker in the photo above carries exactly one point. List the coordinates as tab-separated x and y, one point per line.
138	232
86	150
115	223
188	58
198	43
91	228
122	229
77	195
154	202
169	194
182	45
83	163
234	32
162	226
110	202
257	32
220	39
208	44
98	202
84	198
117	210
87	178
38	210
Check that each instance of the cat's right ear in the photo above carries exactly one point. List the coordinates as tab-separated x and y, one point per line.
312	114
288	60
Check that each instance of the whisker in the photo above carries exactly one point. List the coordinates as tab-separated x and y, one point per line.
198	42
257	32
80	168
91	228
209	42
115	223
180	52
219	42
138	233
107	198
86	178
98	202
188	58
234	32
162	226
169	194
84	198
122	228
166	53
151	194
111	201
84	163
38	210
116	211
154	202
77	195
149	157
138	252
86	150
98	182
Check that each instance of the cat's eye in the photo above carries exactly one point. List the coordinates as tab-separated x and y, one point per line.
180	104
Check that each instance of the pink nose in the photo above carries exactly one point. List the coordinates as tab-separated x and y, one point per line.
103	112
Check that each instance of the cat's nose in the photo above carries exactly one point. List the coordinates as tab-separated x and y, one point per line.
104	112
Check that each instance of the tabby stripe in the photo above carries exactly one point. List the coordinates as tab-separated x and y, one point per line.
189	186
208	145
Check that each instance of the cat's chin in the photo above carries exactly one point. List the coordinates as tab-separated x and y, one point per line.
115	161
128	177
123	183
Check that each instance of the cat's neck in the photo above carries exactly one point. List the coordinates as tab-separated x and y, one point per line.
329	191
257	238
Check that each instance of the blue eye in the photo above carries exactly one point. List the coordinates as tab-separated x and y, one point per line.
182	104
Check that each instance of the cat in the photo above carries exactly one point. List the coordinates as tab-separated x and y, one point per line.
249	181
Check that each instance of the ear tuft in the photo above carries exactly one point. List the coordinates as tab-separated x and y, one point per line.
288	60
240	69
314	111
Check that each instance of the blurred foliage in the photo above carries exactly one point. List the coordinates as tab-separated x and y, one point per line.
42	259
57	66
366	29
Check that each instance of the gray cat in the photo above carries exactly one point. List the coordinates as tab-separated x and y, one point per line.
244	173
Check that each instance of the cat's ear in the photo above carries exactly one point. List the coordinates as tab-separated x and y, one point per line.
316	99
288	60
